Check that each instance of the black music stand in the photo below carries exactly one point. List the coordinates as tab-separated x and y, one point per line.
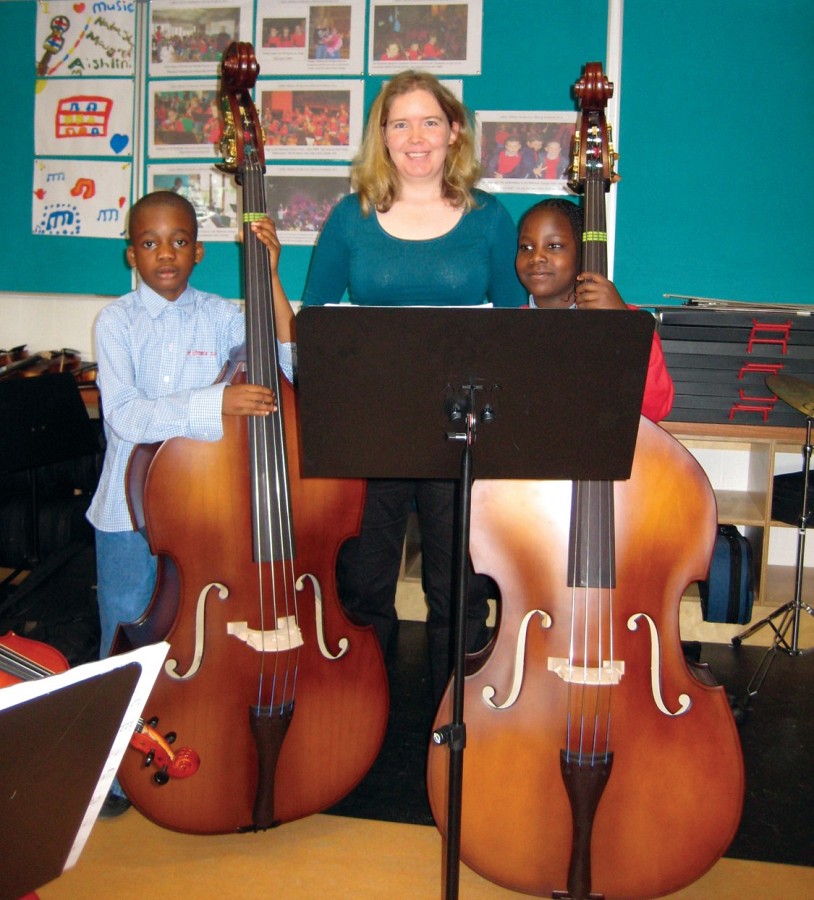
42	421
561	393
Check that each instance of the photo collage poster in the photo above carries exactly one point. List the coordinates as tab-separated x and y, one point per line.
309	94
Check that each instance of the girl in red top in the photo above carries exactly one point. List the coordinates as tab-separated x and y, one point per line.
548	261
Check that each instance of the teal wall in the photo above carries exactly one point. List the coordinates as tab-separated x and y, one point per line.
717	118
717	131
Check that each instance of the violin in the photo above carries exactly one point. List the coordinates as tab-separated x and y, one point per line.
23	659
597	764
20	364
284	698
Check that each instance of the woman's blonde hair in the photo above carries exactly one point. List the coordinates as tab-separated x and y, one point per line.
373	175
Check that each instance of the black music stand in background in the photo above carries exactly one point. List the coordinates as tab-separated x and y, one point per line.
43	420
407	393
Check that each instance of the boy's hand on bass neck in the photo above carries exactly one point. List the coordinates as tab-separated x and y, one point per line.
248	400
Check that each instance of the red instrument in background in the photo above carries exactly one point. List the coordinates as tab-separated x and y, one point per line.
22	659
596	764
285	700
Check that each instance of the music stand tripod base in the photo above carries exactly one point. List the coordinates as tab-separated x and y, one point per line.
800	395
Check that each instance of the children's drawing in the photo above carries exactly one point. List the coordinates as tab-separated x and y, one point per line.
85	38
80	198
87	117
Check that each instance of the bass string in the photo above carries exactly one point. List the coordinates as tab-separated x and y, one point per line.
591	654
270	473
590	687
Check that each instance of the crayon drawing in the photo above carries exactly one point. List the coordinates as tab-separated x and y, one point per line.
87	117
80	198
85	38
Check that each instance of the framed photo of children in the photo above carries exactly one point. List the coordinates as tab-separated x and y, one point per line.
311	119
299	199
445	38
525	152
185	119
188	37
212	192
301	38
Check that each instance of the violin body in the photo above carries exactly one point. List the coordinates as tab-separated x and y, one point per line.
672	799
22	659
198	513
18	363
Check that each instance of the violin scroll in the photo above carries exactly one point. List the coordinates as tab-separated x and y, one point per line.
156	749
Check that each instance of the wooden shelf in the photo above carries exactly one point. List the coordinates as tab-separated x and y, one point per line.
741	507
751	507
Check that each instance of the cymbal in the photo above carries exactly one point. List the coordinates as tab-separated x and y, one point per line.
794	391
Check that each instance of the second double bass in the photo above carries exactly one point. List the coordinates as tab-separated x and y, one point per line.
284	699
596	764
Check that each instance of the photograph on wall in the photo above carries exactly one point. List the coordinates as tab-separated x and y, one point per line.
83	117
188	37
81	198
213	193
444	38
525	152
76	39
299	199
311	119
185	119
297	38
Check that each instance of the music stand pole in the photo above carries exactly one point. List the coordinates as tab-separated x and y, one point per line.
789	613
454	733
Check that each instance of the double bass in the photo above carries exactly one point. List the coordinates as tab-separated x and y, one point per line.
597	764
284	699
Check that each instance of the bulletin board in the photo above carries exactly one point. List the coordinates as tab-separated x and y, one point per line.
712	200
492	81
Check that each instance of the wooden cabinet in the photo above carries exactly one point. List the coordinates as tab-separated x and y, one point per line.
750	504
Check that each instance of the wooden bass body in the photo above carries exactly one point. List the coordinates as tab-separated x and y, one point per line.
672	800
196	499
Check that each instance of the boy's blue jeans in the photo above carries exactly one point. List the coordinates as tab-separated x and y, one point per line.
125	578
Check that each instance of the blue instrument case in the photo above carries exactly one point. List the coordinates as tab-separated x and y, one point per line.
729	591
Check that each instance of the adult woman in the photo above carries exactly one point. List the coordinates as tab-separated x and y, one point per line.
415	232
